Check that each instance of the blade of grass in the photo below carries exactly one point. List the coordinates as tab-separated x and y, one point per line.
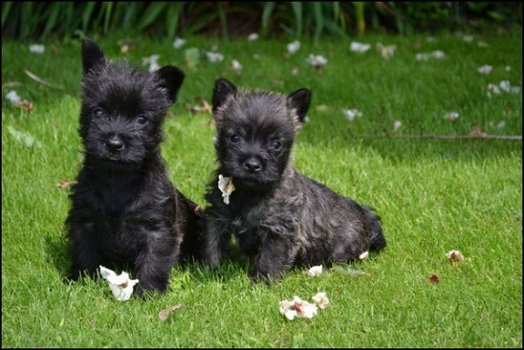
6	8
152	13
266	14
173	14
223	20
319	20
297	11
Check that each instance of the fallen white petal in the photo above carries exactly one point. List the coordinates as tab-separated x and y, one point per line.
397	124
13	96
214	56
297	308
505	85
120	285
386	51
315	271
455	256
485	69
359	47
293	46
468	38
236	66
178	43
363	255
37	48
321	300
452	116
316	60
152	61
352	113
252	37
226	186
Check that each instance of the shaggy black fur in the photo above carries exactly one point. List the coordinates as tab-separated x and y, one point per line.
278	215
125	210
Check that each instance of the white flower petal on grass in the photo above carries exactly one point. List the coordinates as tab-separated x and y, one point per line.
286	309
359	47
294	71
425	56
226	186
315	271
493	89
316	61
214	56
178	42
293	47
152	61
236	66
455	256
468	38
363	255
397	124
121	285
485	69
452	116
252	37
351	114
321	300
386	51
505	85
297	308
13	96
37	48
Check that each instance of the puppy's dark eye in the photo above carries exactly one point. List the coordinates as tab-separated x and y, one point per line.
235	138
276	144
98	112
141	119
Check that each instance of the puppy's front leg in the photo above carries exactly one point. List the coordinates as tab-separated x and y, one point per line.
275	257
153	264
84	251
216	240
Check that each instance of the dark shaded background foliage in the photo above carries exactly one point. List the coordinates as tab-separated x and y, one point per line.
32	20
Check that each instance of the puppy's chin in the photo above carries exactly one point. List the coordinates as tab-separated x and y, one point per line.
253	185
115	164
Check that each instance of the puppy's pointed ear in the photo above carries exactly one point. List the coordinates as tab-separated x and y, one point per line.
92	55
223	89
300	100
173	79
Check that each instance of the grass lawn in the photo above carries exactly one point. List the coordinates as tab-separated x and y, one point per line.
433	196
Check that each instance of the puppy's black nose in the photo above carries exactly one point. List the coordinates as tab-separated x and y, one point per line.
114	144
253	165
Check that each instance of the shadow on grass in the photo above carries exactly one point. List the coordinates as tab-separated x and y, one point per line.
57	252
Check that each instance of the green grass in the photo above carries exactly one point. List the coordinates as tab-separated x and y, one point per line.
433	196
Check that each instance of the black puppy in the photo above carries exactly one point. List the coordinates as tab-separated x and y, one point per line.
278	215
124	208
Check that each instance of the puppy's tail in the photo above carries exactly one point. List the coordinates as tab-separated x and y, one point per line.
376	239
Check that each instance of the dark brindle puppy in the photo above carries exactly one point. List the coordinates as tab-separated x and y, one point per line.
278	215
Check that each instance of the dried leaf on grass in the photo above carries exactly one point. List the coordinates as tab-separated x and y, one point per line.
164	314
202	106
66	183
433	279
